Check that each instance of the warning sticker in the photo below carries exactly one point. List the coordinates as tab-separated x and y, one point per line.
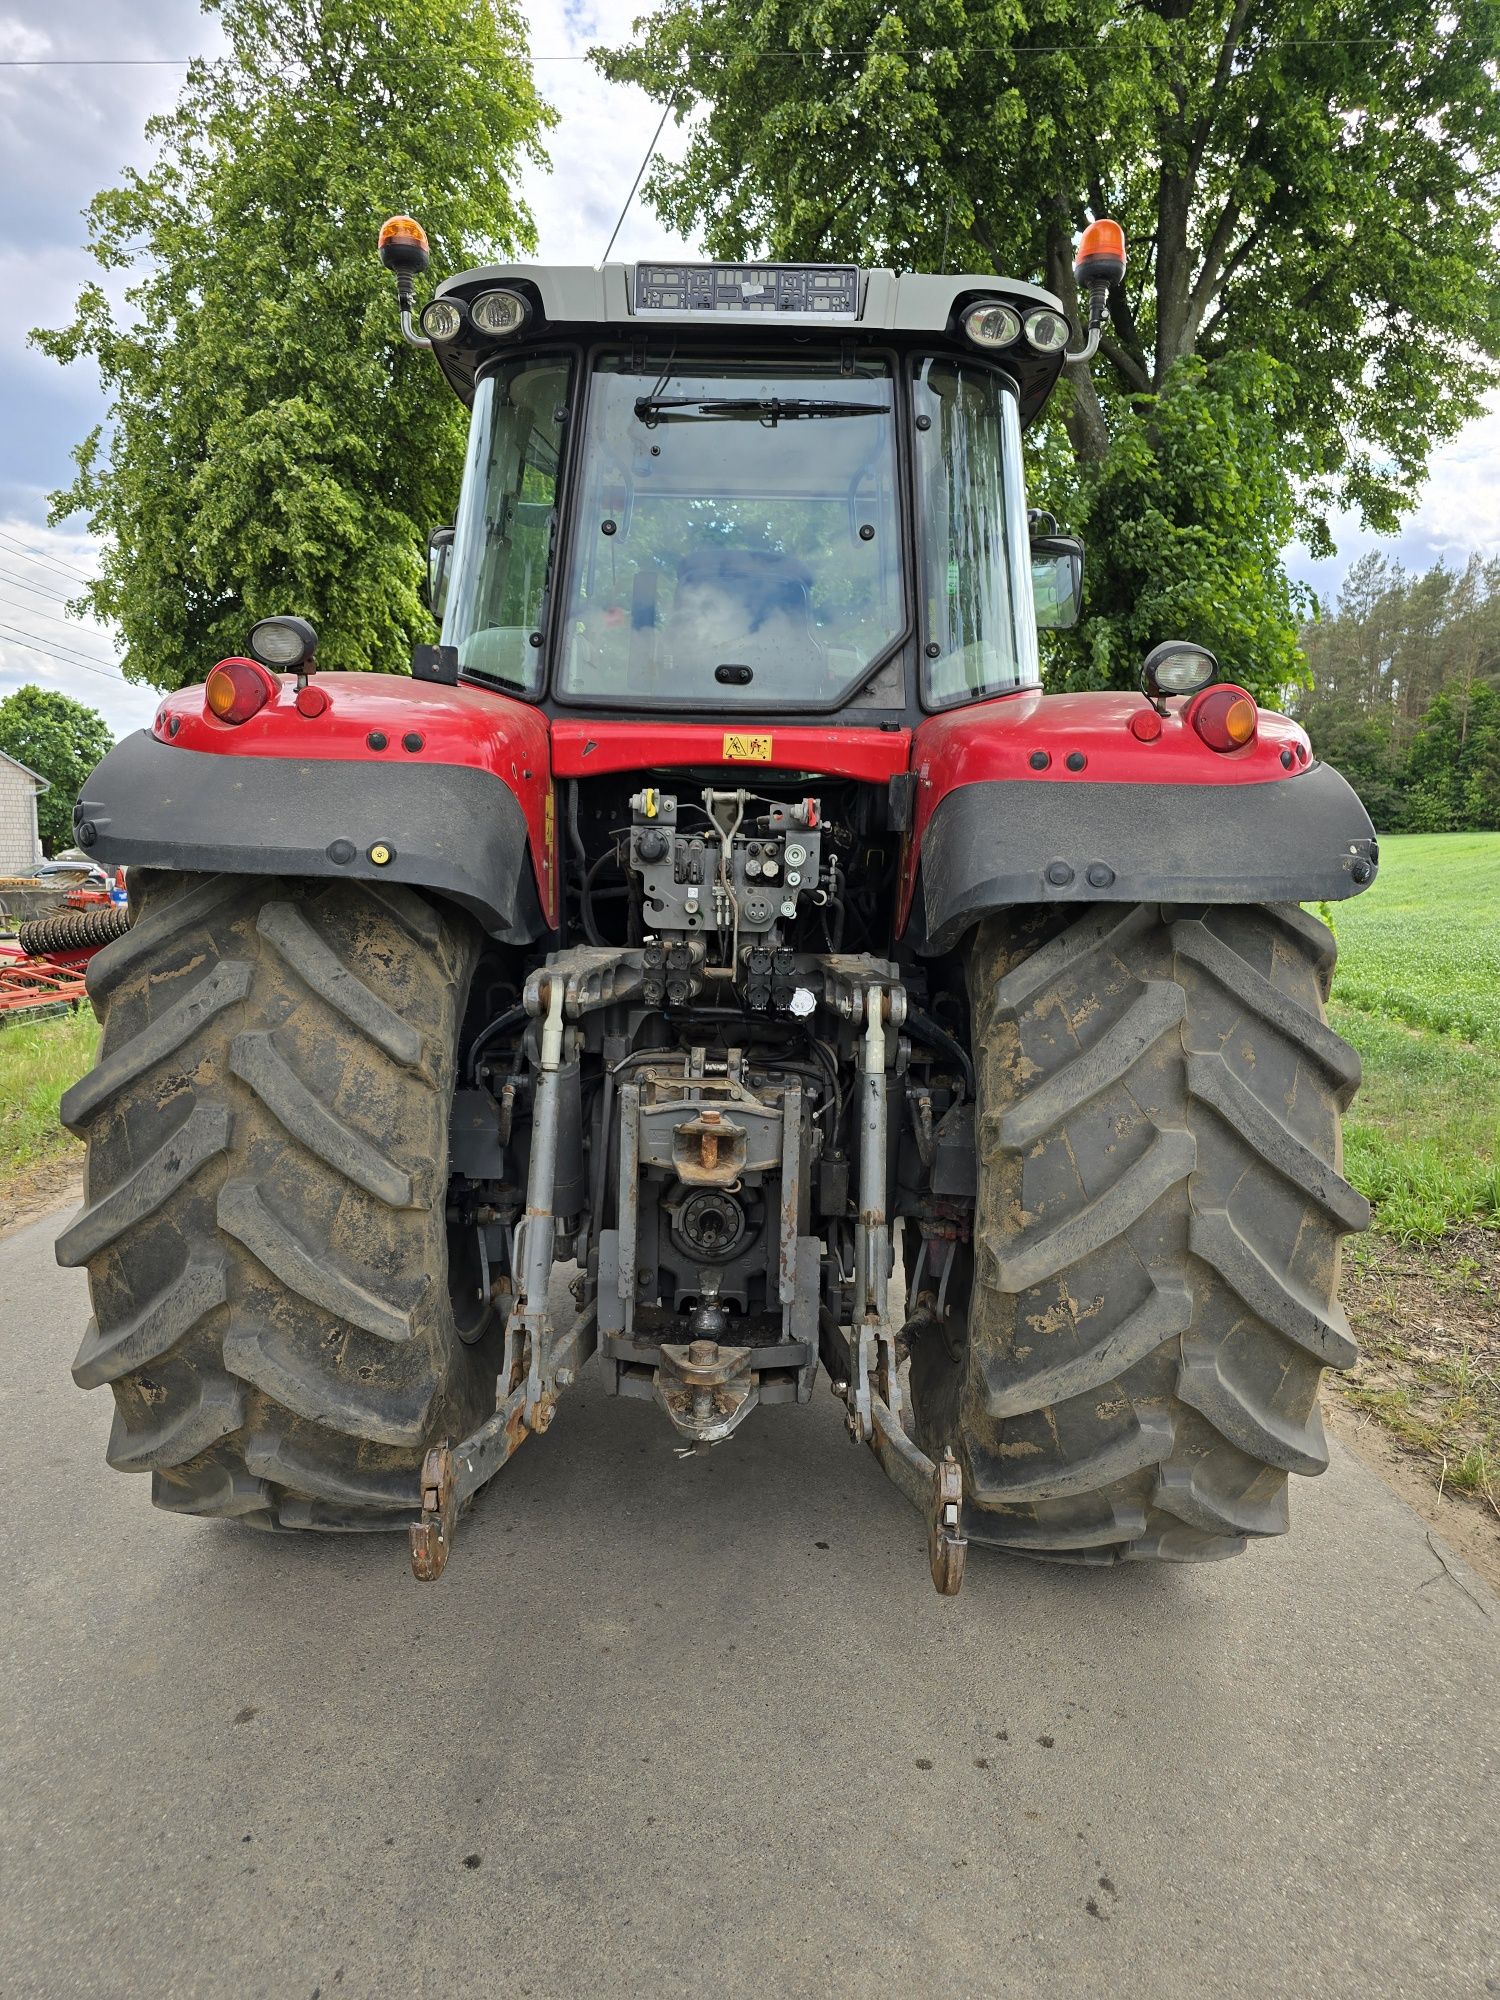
747	749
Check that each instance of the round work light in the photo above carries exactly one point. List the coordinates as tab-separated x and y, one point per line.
442	320
990	324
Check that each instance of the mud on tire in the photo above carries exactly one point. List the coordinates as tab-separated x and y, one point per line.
1157	1232
264	1224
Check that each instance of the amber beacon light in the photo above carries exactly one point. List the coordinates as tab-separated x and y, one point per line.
1099	263
404	248
1101	254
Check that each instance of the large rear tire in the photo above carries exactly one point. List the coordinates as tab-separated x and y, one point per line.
265	1216
1156	1241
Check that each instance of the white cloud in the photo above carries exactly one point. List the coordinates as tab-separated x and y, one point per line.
598	146
1457	516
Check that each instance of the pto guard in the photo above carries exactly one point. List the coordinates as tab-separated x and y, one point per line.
455	799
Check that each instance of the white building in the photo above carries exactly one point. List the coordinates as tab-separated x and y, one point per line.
20	843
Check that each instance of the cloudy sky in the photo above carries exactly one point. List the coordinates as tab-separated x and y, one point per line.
67	131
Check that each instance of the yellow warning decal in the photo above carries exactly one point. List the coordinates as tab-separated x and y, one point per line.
746	749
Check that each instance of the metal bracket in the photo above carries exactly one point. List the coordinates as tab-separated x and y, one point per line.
947	1544
431	1535
453	1473
935	1489
707	1390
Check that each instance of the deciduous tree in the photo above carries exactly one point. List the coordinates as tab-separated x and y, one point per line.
1311	194
61	740
271	446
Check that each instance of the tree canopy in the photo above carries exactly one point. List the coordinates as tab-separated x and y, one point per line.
1311	195
61	740
1406	693
271	445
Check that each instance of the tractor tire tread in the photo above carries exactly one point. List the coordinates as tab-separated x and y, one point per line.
263	1225
1160	1204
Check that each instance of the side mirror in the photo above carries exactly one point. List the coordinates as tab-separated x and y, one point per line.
1057	581
439	564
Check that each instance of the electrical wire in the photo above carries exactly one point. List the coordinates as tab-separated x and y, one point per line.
56	596
51	617
922	1028
760	55
17	547
9	636
88	659
509	1019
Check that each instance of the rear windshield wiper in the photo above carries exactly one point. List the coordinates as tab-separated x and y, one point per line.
769	410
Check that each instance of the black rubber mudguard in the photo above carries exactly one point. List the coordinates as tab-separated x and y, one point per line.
448	828
993	845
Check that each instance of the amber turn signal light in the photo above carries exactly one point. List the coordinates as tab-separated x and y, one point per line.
1225	717
237	689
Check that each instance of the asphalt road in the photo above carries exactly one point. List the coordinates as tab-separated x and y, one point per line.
701	1726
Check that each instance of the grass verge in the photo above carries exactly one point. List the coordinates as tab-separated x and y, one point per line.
1428	1322
1418	994
1422	947
38	1060
1422	1139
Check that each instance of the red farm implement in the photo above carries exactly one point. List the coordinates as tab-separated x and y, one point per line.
29	986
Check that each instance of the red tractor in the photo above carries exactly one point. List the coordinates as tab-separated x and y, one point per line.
722	909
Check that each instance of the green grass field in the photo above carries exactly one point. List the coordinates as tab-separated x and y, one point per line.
37	1063
1423	946
1418	993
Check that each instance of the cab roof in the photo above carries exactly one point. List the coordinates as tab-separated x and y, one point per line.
743	305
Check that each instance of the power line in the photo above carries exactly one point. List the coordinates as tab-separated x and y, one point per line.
58	649
51	617
9	636
96	62
19	548
760	55
52	596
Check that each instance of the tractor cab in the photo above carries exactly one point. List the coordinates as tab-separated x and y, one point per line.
765	489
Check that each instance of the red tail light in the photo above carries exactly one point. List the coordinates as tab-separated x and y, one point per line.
237	689
1225	717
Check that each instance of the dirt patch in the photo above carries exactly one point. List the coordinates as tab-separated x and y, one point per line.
1422	1404
40	1189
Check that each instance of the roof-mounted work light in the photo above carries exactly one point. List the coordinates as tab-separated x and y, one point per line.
287	644
991	324
1176	667
499	314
